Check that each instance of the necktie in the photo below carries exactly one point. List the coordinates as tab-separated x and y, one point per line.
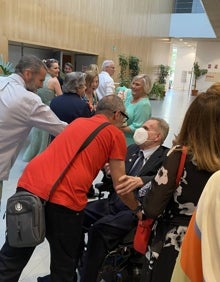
137	165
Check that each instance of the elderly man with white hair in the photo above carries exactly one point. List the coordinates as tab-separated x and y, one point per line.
106	82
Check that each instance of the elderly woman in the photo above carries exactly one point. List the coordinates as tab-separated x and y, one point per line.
137	104
70	105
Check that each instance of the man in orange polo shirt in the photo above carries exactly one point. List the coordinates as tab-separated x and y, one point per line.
64	210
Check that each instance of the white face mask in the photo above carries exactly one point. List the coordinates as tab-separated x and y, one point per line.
140	136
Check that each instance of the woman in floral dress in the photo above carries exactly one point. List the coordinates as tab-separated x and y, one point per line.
172	206
92	82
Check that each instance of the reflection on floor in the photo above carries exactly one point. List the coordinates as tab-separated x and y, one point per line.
172	109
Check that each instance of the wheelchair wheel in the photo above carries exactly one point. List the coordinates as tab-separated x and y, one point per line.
114	267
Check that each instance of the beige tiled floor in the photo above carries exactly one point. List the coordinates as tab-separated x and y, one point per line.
172	109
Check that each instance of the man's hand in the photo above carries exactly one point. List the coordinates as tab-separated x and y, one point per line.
128	184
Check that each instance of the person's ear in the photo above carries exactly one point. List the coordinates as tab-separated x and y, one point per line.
117	115
158	137
27	74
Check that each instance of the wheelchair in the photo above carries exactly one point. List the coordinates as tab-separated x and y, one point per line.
123	264
103	187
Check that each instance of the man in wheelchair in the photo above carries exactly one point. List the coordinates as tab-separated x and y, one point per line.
109	220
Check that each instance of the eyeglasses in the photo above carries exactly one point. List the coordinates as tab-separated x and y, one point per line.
124	115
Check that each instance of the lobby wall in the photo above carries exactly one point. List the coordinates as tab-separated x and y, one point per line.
95	27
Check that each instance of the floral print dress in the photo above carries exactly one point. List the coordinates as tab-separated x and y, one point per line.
172	207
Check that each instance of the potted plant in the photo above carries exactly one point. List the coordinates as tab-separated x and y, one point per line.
134	68
6	68
164	72
129	67
157	91
123	75
197	72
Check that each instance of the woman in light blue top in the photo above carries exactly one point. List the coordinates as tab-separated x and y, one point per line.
137	104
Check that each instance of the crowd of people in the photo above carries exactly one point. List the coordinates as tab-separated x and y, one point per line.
58	115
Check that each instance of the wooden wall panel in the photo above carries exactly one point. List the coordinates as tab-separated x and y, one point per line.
100	27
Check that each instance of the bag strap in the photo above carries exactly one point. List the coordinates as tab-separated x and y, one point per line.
82	147
181	165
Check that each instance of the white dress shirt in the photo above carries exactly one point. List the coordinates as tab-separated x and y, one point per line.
106	85
20	110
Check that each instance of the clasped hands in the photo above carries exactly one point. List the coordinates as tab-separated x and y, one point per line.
128	184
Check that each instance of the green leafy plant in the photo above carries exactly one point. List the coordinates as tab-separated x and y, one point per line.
123	75
134	66
157	91
164	72
6	67
197	73
129	67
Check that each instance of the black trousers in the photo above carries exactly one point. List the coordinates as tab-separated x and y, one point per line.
12	262
63	231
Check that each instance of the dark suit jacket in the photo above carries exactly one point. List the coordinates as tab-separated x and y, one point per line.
111	217
149	170
147	173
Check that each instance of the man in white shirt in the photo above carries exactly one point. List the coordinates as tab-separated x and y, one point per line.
106	82
21	109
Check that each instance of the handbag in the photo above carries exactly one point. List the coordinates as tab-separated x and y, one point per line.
25	212
144	227
25	220
142	235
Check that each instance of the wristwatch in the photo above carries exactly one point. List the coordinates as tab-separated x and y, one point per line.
139	209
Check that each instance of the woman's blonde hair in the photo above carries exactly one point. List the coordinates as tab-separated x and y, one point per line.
200	131
146	82
93	67
214	88
89	77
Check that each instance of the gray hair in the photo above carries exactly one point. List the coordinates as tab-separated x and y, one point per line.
146	81
72	81
163	127
107	63
110	104
29	62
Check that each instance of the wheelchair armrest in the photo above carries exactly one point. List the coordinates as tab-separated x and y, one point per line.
102	186
99	185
